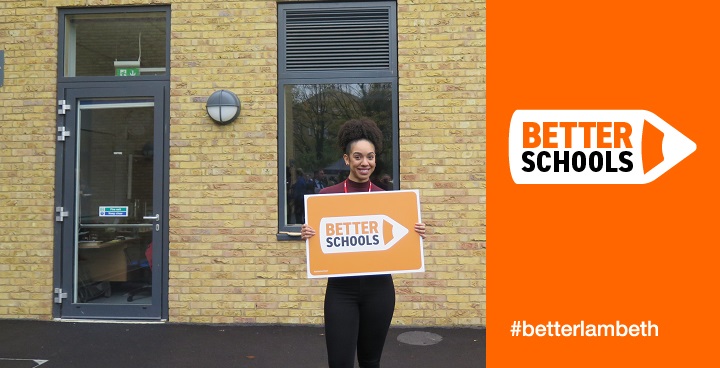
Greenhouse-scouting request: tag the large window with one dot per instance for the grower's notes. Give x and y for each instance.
(338, 61)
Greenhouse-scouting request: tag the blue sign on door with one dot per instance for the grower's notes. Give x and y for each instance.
(113, 211)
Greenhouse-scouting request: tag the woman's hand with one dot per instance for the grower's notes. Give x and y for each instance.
(306, 232)
(419, 228)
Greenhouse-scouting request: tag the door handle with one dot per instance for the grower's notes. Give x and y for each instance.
(154, 218)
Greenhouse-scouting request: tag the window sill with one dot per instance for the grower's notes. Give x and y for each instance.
(288, 236)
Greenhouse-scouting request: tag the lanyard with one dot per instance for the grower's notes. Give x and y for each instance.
(345, 186)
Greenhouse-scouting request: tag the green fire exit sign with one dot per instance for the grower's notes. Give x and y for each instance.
(129, 68)
(127, 72)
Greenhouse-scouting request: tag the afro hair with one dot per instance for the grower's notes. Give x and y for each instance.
(356, 129)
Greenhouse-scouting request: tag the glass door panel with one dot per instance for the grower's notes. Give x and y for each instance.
(114, 201)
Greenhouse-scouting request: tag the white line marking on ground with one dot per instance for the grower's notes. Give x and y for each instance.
(39, 362)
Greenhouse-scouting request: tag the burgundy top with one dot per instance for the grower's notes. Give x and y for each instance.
(352, 187)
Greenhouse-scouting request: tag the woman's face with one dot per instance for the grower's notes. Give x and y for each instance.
(361, 160)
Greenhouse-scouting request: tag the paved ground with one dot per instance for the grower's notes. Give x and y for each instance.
(48, 344)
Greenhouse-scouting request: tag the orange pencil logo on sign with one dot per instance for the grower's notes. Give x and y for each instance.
(363, 233)
(593, 147)
(359, 233)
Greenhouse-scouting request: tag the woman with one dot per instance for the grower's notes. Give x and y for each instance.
(358, 309)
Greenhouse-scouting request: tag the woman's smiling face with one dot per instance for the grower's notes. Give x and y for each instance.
(361, 160)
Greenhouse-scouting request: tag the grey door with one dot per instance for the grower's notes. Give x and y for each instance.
(111, 214)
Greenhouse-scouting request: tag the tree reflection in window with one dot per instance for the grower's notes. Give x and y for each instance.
(314, 114)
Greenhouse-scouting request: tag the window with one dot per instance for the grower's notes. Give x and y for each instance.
(338, 61)
(122, 42)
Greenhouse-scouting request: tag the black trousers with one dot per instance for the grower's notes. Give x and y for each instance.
(358, 312)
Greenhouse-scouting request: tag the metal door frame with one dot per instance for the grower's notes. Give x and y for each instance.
(66, 150)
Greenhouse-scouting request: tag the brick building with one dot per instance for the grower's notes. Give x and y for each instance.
(108, 156)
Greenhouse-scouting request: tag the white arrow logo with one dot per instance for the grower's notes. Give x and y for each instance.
(593, 147)
(359, 233)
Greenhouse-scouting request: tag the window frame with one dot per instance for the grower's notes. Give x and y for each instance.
(285, 78)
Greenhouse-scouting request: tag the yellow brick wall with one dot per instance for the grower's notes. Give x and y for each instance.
(27, 158)
(226, 265)
(441, 58)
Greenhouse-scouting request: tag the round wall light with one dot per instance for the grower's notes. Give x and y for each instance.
(223, 106)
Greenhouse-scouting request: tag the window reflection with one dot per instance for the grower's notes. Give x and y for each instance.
(314, 114)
